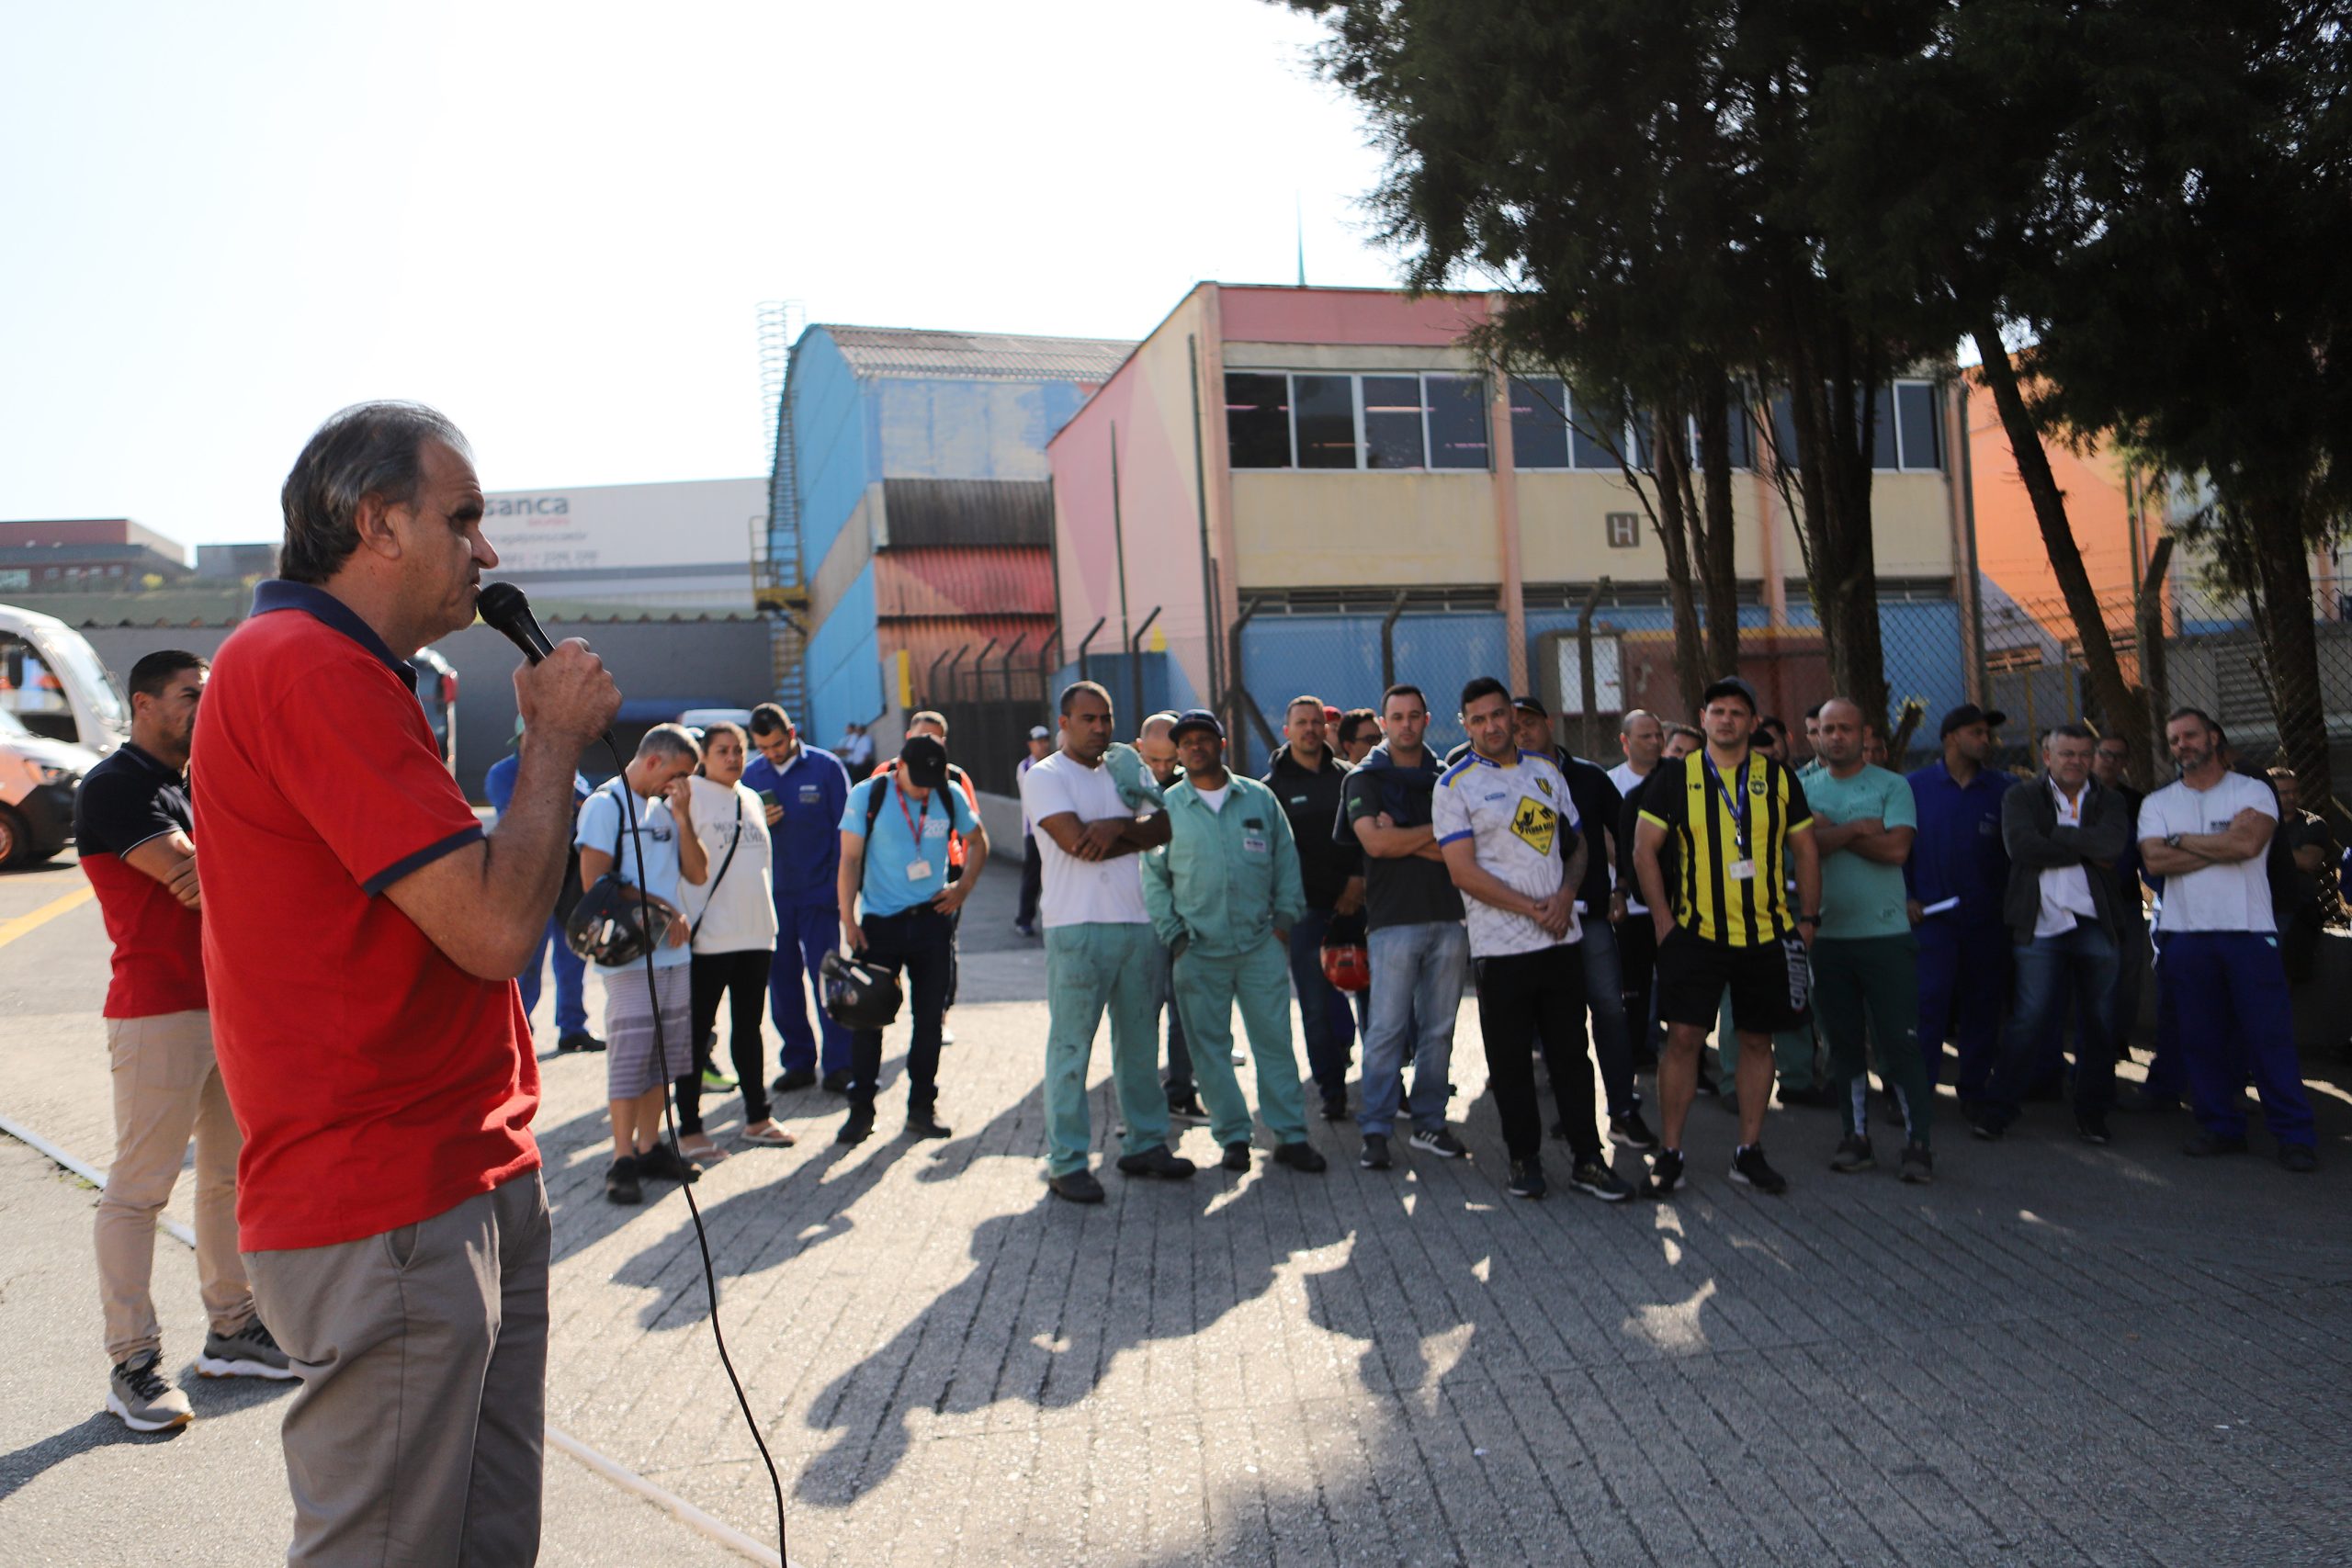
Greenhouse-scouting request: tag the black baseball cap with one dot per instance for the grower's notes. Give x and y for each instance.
(1531, 704)
(925, 762)
(1967, 713)
(1195, 718)
(1731, 686)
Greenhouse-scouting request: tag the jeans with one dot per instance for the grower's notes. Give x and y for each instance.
(919, 944)
(2230, 990)
(1089, 969)
(1208, 988)
(1417, 976)
(1637, 969)
(1329, 1031)
(1963, 969)
(739, 979)
(2081, 959)
(804, 936)
(571, 973)
(1613, 1037)
(2132, 960)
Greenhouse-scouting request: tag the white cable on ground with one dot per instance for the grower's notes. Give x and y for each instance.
(620, 1475)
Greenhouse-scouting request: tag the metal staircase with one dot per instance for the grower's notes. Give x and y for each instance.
(777, 583)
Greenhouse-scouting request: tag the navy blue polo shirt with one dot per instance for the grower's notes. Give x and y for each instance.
(1957, 853)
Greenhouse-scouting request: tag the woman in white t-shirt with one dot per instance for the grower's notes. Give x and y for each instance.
(733, 916)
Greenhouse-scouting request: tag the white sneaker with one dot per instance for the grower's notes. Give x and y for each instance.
(1240, 1057)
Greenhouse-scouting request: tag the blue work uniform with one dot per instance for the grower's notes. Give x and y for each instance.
(571, 969)
(1959, 873)
(805, 844)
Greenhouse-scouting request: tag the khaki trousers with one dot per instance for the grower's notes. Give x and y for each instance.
(418, 1435)
(166, 1088)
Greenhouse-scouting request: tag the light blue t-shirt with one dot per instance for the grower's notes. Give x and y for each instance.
(601, 828)
(1860, 898)
(891, 855)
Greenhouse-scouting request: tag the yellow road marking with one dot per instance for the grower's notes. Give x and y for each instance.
(11, 929)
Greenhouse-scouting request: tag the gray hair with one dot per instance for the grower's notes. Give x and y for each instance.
(670, 740)
(369, 449)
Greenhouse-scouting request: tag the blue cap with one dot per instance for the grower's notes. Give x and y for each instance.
(1197, 718)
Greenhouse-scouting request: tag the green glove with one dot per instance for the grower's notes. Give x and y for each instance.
(1138, 788)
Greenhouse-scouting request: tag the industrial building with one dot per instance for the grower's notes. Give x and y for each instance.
(912, 512)
(679, 549)
(1281, 484)
(80, 555)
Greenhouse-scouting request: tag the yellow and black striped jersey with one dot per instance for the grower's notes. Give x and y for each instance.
(1730, 875)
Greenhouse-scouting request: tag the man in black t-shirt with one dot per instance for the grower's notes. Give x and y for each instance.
(1599, 806)
(1421, 952)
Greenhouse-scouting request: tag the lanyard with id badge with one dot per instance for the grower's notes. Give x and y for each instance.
(1734, 806)
(918, 869)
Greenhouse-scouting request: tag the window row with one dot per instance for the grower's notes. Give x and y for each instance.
(1338, 421)
(1278, 421)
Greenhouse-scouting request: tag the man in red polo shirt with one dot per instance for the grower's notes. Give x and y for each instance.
(361, 937)
(132, 827)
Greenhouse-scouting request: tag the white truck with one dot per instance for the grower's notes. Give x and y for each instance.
(60, 712)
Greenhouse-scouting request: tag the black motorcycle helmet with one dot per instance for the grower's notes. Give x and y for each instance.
(859, 995)
(608, 925)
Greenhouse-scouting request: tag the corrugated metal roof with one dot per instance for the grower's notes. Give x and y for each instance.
(963, 582)
(935, 639)
(917, 353)
(967, 512)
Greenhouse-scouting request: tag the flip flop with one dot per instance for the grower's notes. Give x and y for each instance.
(710, 1155)
(769, 1137)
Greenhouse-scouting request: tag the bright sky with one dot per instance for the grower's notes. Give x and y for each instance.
(555, 222)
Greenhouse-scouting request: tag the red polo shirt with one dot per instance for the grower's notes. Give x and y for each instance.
(158, 959)
(376, 1082)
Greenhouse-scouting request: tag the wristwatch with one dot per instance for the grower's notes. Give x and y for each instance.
(2172, 840)
(1809, 920)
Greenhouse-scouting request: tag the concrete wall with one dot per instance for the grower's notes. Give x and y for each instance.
(672, 664)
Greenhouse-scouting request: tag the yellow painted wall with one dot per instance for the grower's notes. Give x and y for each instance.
(1314, 530)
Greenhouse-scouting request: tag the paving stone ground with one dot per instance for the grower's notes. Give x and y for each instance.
(2054, 1355)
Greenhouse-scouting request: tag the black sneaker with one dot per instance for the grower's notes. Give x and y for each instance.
(1918, 1165)
(1749, 1168)
(1853, 1153)
(2205, 1146)
(2300, 1158)
(249, 1352)
(924, 1124)
(664, 1163)
(1156, 1161)
(578, 1040)
(1816, 1098)
(1077, 1187)
(857, 1126)
(2091, 1126)
(1237, 1156)
(1526, 1179)
(1438, 1141)
(1665, 1174)
(1375, 1151)
(1986, 1129)
(1300, 1156)
(836, 1081)
(1186, 1107)
(1335, 1108)
(1631, 1132)
(1594, 1177)
(792, 1080)
(621, 1184)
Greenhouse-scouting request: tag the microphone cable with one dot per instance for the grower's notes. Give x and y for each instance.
(507, 609)
(627, 793)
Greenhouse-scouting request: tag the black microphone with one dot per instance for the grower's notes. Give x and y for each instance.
(508, 608)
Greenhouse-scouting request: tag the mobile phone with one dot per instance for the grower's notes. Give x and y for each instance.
(767, 797)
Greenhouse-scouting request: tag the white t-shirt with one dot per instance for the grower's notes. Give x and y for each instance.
(737, 911)
(1521, 822)
(1106, 892)
(1627, 782)
(2214, 897)
(1214, 798)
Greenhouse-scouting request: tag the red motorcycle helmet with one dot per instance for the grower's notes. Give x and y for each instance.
(1347, 965)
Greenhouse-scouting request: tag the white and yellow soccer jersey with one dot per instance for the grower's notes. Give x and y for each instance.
(1523, 827)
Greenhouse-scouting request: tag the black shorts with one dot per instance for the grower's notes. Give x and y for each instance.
(1770, 983)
